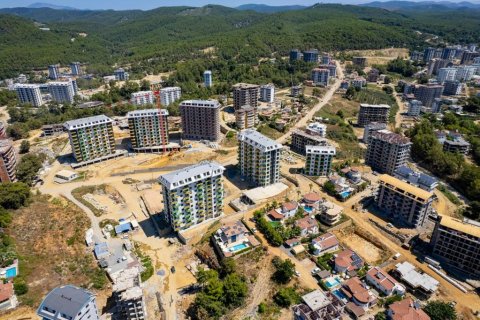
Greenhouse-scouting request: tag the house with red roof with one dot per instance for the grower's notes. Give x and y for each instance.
(286, 211)
(8, 299)
(325, 243)
(311, 201)
(383, 282)
(407, 309)
(358, 292)
(348, 262)
(307, 226)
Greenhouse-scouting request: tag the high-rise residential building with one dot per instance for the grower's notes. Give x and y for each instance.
(121, 74)
(465, 73)
(416, 178)
(359, 61)
(258, 158)
(169, 95)
(62, 91)
(456, 242)
(446, 74)
(245, 117)
(76, 68)
(317, 129)
(436, 64)
(148, 129)
(325, 59)
(414, 107)
(129, 304)
(416, 56)
(373, 113)
(200, 119)
(427, 93)
(404, 203)
(469, 56)
(193, 195)
(207, 78)
(142, 98)
(428, 54)
(68, 302)
(245, 94)
(91, 138)
(295, 55)
(319, 160)
(301, 139)
(452, 88)
(372, 127)
(267, 93)
(310, 55)
(448, 53)
(53, 71)
(29, 93)
(387, 151)
(320, 76)
(8, 162)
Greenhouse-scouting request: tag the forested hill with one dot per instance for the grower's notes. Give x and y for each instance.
(167, 35)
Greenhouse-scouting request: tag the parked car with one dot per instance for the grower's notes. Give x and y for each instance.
(172, 269)
(297, 273)
(315, 270)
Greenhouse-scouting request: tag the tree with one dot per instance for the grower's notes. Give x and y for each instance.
(473, 211)
(285, 297)
(20, 286)
(14, 195)
(440, 310)
(235, 290)
(285, 269)
(381, 316)
(329, 188)
(17, 131)
(28, 168)
(228, 266)
(350, 93)
(388, 90)
(24, 146)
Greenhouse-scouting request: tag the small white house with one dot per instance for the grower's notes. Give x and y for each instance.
(65, 176)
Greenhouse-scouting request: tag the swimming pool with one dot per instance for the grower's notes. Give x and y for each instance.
(308, 209)
(10, 273)
(340, 295)
(332, 282)
(345, 194)
(237, 247)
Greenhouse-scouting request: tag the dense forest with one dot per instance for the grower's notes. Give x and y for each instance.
(156, 40)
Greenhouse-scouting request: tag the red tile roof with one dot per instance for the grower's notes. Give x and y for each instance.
(312, 197)
(6, 291)
(289, 206)
(275, 215)
(306, 223)
(357, 290)
(382, 278)
(327, 241)
(406, 310)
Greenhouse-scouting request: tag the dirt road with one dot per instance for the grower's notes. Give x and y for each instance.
(323, 101)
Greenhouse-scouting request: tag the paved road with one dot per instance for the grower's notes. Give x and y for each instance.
(323, 101)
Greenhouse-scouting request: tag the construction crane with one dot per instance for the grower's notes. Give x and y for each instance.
(163, 133)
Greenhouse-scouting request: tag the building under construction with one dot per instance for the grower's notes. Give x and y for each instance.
(8, 162)
(246, 94)
(200, 119)
(245, 117)
(148, 130)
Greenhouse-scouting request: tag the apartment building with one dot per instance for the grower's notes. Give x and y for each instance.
(62, 91)
(301, 139)
(465, 73)
(169, 95)
(245, 94)
(130, 304)
(148, 129)
(310, 55)
(320, 76)
(200, 119)
(29, 93)
(416, 178)
(372, 113)
(8, 162)
(68, 302)
(142, 98)
(258, 158)
(405, 204)
(319, 160)
(428, 54)
(414, 108)
(387, 151)
(317, 129)
(91, 138)
(446, 74)
(76, 68)
(457, 243)
(469, 56)
(295, 55)
(3, 130)
(53, 71)
(332, 68)
(193, 195)
(452, 88)
(436, 64)
(295, 91)
(453, 142)
(428, 93)
(267, 93)
(245, 117)
(121, 74)
(207, 79)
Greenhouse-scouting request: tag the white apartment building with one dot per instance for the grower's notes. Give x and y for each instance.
(267, 93)
(465, 73)
(446, 74)
(29, 93)
(317, 129)
(320, 76)
(319, 160)
(142, 98)
(53, 71)
(169, 95)
(207, 78)
(193, 195)
(62, 91)
(414, 107)
(121, 74)
(76, 68)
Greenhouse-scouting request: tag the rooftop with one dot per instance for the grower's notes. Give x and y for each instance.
(320, 150)
(416, 279)
(245, 86)
(415, 176)
(67, 300)
(201, 103)
(147, 113)
(465, 226)
(257, 139)
(379, 106)
(233, 228)
(407, 309)
(191, 174)
(404, 186)
(316, 300)
(310, 136)
(390, 137)
(87, 122)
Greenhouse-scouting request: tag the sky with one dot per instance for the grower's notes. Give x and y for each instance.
(150, 4)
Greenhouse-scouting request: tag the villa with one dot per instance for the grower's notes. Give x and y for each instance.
(325, 243)
(358, 292)
(311, 201)
(407, 309)
(348, 262)
(307, 226)
(383, 282)
(342, 188)
(330, 213)
(232, 238)
(286, 211)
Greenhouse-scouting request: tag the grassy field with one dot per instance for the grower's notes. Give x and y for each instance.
(81, 191)
(270, 132)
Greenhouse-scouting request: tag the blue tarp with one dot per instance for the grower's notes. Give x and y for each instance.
(123, 227)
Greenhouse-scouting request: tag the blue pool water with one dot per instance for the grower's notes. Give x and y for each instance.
(237, 247)
(332, 282)
(10, 273)
(308, 209)
(340, 294)
(345, 194)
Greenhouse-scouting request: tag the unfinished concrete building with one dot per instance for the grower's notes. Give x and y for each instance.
(319, 160)
(8, 162)
(457, 243)
(405, 204)
(301, 139)
(128, 296)
(245, 117)
(245, 94)
(318, 305)
(148, 129)
(373, 113)
(372, 127)
(200, 119)
(258, 158)
(387, 151)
